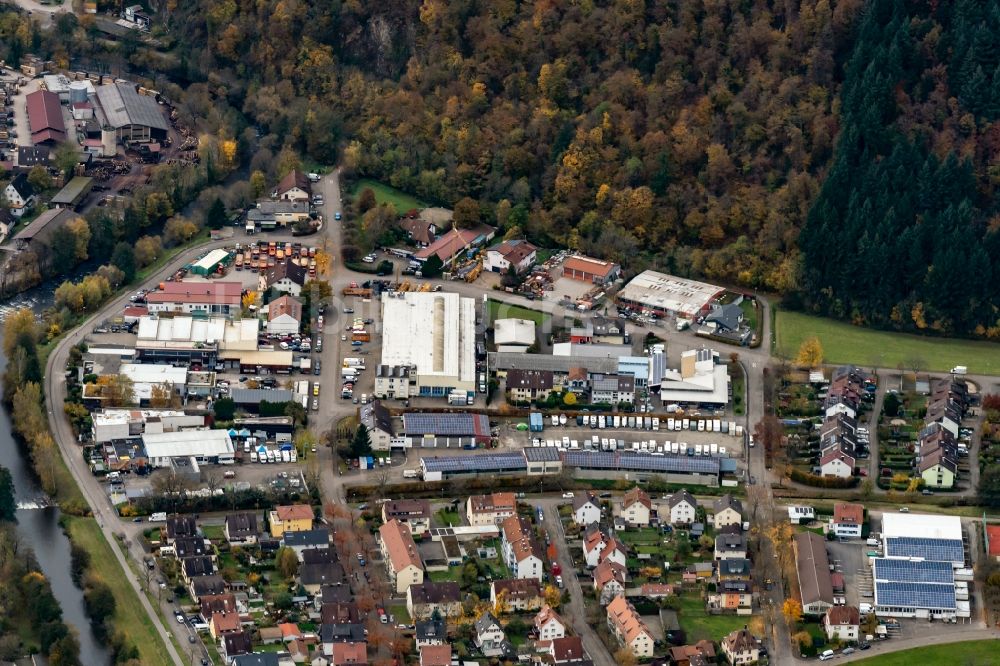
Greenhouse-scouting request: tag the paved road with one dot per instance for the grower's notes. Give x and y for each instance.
(575, 612)
(873, 449)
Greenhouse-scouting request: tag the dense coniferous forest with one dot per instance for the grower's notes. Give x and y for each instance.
(842, 152)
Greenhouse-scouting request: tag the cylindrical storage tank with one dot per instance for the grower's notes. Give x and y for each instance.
(77, 92)
(109, 142)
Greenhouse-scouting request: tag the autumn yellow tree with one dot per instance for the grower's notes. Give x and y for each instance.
(810, 353)
(322, 262)
(792, 610)
(552, 595)
(625, 657)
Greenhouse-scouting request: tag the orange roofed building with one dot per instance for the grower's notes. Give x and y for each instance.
(400, 554)
(290, 518)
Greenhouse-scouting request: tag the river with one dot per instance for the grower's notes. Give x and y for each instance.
(39, 528)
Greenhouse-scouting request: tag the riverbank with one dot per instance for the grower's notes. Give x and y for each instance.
(129, 618)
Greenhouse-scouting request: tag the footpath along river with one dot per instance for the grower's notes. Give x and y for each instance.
(39, 529)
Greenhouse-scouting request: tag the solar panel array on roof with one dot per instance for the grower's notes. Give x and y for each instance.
(915, 595)
(419, 423)
(541, 454)
(491, 462)
(946, 550)
(913, 571)
(700, 464)
(591, 459)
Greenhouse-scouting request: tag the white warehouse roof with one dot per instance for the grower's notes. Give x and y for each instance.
(923, 525)
(660, 291)
(435, 332)
(188, 443)
(148, 373)
(514, 332)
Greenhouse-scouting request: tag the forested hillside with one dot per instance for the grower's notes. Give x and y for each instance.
(904, 232)
(688, 134)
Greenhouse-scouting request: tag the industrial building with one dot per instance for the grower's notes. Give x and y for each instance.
(513, 335)
(121, 424)
(74, 193)
(134, 118)
(196, 340)
(434, 334)
(45, 118)
(203, 298)
(200, 446)
(701, 380)
(924, 536)
(210, 263)
(665, 295)
(813, 566)
(42, 227)
(915, 588)
(459, 430)
(145, 376)
(586, 269)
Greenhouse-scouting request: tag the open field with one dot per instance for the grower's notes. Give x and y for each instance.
(388, 194)
(698, 623)
(501, 310)
(843, 343)
(969, 652)
(130, 617)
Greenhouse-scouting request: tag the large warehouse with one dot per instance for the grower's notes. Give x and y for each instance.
(663, 295)
(202, 446)
(435, 335)
(134, 117)
(424, 429)
(923, 536)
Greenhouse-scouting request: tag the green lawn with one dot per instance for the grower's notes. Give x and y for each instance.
(500, 310)
(453, 574)
(399, 612)
(130, 616)
(214, 532)
(646, 535)
(698, 624)
(449, 518)
(749, 313)
(969, 652)
(388, 194)
(843, 343)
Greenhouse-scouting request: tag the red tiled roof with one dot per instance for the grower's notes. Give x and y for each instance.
(217, 293)
(851, 514)
(993, 536)
(587, 265)
(44, 112)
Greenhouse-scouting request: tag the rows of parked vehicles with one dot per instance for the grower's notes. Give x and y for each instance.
(602, 421)
(597, 443)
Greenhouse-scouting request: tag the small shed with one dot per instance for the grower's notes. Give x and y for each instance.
(211, 262)
(73, 194)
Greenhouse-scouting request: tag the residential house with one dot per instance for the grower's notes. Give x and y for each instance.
(730, 545)
(415, 514)
(577, 381)
(284, 277)
(727, 318)
(842, 623)
(402, 560)
(594, 541)
(614, 550)
(490, 509)
(701, 653)
(349, 654)
(517, 594)
(375, 416)
(727, 510)
(290, 518)
(741, 647)
(211, 604)
(733, 568)
(732, 595)
(682, 507)
(340, 612)
(521, 551)
(938, 470)
(320, 555)
(223, 623)
(548, 624)
(234, 644)
(331, 634)
(192, 567)
(656, 590)
(307, 540)
(567, 650)
(517, 253)
(435, 655)
(423, 599)
(284, 315)
(200, 586)
(848, 519)
(629, 629)
(698, 571)
(813, 566)
(528, 385)
(293, 187)
(489, 636)
(636, 507)
(430, 632)
(313, 576)
(241, 529)
(609, 580)
(586, 509)
(837, 462)
(179, 527)
(612, 389)
(269, 635)
(392, 381)
(184, 547)
(20, 195)
(421, 232)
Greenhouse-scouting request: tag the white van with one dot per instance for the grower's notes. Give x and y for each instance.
(826, 655)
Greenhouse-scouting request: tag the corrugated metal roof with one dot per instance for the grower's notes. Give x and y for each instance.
(124, 106)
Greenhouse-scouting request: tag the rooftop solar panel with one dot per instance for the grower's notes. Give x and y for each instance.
(482, 463)
(913, 571)
(541, 454)
(947, 550)
(468, 425)
(915, 595)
